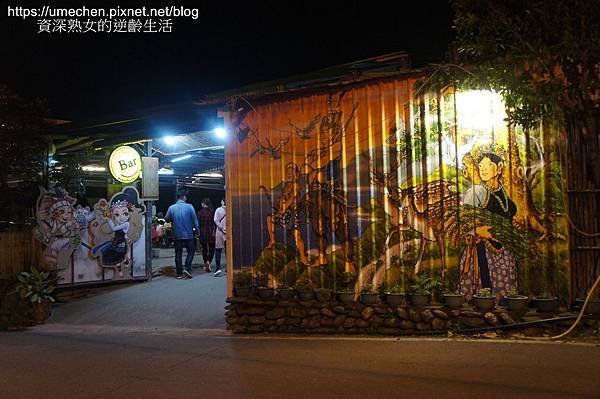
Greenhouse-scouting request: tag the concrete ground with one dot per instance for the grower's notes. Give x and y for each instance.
(193, 364)
(165, 302)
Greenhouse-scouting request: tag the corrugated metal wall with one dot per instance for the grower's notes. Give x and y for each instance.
(373, 181)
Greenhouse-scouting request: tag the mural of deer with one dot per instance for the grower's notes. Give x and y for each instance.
(421, 209)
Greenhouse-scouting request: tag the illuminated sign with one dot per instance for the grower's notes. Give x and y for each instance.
(125, 164)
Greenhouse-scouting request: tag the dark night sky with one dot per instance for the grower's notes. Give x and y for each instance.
(88, 76)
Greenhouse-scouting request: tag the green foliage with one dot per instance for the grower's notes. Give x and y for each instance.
(521, 52)
(23, 150)
(513, 293)
(36, 286)
(242, 279)
(304, 284)
(394, 288)
(348, 280)
(424, 284)
(262, 279)
(485, 293)
(368, 288)
(67, 172)
(545, 295)
(14, 310)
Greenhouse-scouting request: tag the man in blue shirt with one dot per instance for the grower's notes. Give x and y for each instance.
(184, 220)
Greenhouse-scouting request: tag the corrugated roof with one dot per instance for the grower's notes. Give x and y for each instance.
(380, 67)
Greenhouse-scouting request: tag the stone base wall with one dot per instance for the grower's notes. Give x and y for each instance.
(256, 315)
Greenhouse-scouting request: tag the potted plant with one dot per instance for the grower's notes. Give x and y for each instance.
(546, 302)
(241, 283)
(37, 287)
(347, 294)
(368, 295)
(453, 299)
(305, 289)
(515, 301)
(593, 305)
(394, 294)
(323, 294)
(262, 284)
(285, 292)
(483, 300)
(421, 289)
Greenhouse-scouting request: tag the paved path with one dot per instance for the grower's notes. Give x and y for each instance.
(40, 364)
(163, 303)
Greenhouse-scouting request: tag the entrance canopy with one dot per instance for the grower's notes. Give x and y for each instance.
(183, 138)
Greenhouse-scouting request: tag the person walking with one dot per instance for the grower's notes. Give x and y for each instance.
(220, 236)
(183, 217)
(207, 232)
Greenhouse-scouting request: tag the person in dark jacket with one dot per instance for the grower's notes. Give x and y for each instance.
(183, 217)
(207, 232)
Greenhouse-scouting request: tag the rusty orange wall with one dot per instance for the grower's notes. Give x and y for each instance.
(364, 154)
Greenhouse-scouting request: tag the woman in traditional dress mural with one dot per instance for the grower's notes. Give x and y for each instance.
(486, 262)
(123, 219)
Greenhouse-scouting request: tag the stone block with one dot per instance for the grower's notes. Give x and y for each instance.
(276, 313)
(367, 313)
(328, 312)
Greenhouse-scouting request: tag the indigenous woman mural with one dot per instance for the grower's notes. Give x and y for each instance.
(121, 221)
(485, 262)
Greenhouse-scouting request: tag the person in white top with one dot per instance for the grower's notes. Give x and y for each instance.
(220, 235)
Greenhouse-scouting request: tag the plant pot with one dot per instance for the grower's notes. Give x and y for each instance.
(369, 298)
(419, 300)
(395, 299)
(265, 292)
(484, 303)
(242, 291)
(285, 293)
(593, 306)
(346, 296)
(305, 295)
(454, 301)
(323, 294)
(517, 303)
(546, 305)
(40, 311)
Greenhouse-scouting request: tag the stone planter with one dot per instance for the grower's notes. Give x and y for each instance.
(241, 291)
(305, 295)
(346, 296)
(454, 301)
(593, 306)
(40, 311)
(517, 303)
(323, 294)
(419, 300)
(546, 305)
(369, 298)
(266, 292)
(285, 293)
(395, 299)
(484, 303)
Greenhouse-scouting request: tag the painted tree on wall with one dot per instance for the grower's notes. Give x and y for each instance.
(544, 58)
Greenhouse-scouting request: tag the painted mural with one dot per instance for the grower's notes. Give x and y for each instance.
(379, 185)
(91, 245)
